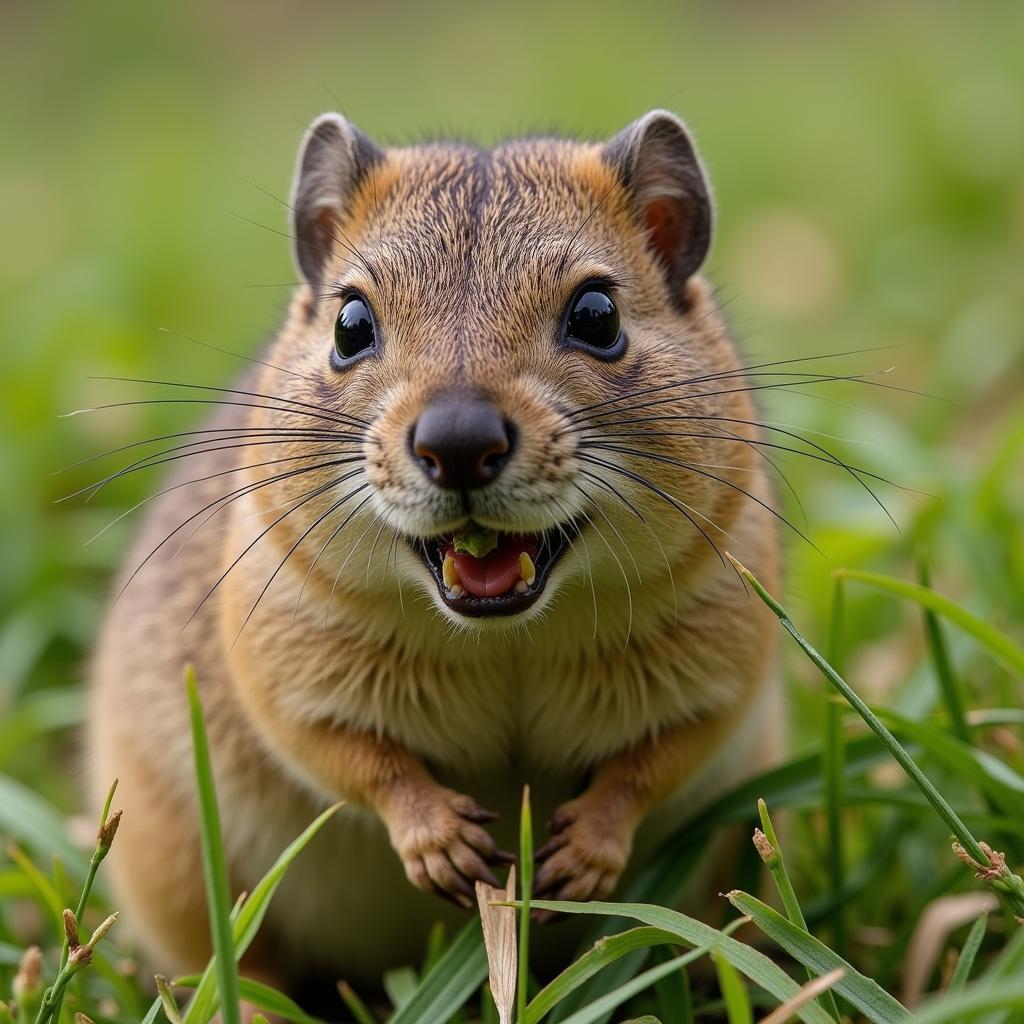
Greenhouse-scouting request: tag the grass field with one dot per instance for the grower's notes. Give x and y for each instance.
(868, 162)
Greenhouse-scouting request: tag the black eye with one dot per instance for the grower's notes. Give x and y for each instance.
(354, 331)
(593, 323)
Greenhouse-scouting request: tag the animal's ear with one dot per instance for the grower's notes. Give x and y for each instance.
(334, 159)
(658, 163)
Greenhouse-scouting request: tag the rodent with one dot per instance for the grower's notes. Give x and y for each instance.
(511, 346)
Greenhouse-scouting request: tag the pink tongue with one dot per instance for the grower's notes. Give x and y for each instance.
(497, 572)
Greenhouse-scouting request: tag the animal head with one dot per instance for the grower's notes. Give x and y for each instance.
(506, 362)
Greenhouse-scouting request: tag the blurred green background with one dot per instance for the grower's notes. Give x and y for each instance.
(867, 160)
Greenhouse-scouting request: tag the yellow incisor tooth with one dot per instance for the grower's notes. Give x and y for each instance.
(449, 572)
(527, 570)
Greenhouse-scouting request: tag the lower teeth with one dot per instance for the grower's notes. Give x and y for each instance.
(449, 572)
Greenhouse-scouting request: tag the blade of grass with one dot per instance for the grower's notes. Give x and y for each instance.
(866, 995)
(105, 834)
(248, 917)
(734, 992)
(153, 1012)
(810, 991)
(525, 892)
(38, 714)
(664, 877)
(215, 872)
(606, 1004)
(605, 951)
(277, 1003)
(167, 1000)
(488, 1009)
(434, 948)
(948, 683)
(399, 985)
(691, 932)
(1001, 878)
(965, 961)
(968, 1004)
(254, 909)
(1010, 960)
(27, 817)
(994, 778)
(770, 848)
(359, 1010)
(453, 979)
(40, 883)
(997, 643)
(833, 772)
(675, 1001)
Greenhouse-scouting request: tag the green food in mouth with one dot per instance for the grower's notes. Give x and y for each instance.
(476, 541)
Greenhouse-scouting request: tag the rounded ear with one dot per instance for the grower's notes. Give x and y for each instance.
(334, 158)
(661, 171)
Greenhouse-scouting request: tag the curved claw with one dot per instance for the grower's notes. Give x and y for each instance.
(469, 809)
(554, 844)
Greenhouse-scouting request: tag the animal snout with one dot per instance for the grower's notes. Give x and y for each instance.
(461, 440)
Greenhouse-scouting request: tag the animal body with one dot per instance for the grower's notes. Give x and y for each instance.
(460, 530)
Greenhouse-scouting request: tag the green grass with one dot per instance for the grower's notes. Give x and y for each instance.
(866, 161)
(581, 993)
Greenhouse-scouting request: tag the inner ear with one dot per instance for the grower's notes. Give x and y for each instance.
(334, 160)
(319, 235)
(660, 170)
(667, 228)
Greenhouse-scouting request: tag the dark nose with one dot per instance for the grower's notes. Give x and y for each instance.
(461, 440)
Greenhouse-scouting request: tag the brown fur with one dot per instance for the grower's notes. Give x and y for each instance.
(367, 689)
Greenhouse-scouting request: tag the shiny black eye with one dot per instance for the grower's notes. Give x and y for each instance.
(593, 323)
(354, 332)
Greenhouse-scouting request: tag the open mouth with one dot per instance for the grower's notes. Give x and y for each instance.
(481, 572)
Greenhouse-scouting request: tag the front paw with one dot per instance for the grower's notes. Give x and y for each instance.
(438, 835)
(585, 856)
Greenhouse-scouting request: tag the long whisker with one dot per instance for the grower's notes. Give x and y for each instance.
(348, 557)
(346, 244)
(225, 434)
(618, 562)
(679, 506)
(727, 373)
(586, 550)
(235, 355)
(152, 461)
(856, 473)
(196, 401)
(373, 546)
(773, 386)
(728, 435)
(214, 476)
(584, 222)
(234, 496)
(231, 496)
(604, 515)
(398, 576)
(615, 492)
(329, 253)
(315, 493)
(765, 457)
(317, 557)
(825, 456)
(690, 467)
(331, 509)
(289, 405)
